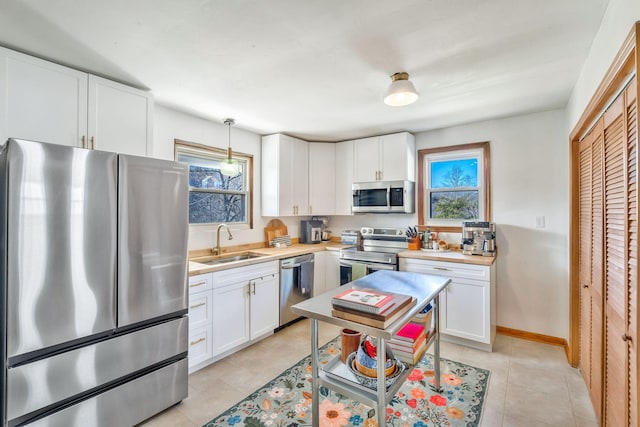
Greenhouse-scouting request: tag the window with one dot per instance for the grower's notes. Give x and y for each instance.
(215, 197)
(454, 183)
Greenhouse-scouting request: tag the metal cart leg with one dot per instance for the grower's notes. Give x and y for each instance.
(436, 343)
(315, 394)
(382, 390)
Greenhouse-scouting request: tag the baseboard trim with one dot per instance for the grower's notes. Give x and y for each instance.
(532, 336)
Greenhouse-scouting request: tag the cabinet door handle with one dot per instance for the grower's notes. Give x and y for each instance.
(380, 175)
(585, 286)
(84, 141)
(193, 285)
(198, 341)
(254, 287)
(441, 268)
(198, 305)
(92, 143)
(626, 337)
(310, 209)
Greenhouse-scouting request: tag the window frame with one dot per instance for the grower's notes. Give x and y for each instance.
(206, 151)
(483, 175)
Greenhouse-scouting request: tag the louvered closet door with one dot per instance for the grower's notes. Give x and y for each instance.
(621, 258)
(597, 265)
(584, 191)
(631, 110)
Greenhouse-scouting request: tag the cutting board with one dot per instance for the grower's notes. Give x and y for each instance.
(275, 228)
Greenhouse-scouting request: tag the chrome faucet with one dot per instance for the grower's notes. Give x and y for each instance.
(217, 249)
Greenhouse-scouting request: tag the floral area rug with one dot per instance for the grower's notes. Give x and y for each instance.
(286, 400)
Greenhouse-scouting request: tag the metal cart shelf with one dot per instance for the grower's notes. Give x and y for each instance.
(426, 288)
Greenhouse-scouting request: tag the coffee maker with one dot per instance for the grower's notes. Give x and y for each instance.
(310, 231)
(478, 238)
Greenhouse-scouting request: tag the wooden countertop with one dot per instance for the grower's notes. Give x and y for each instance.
(448, 256)
(266, 254)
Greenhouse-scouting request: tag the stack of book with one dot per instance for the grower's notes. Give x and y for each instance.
(371, 307)
(409, 343)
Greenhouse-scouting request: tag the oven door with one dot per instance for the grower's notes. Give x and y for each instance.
(346, 269)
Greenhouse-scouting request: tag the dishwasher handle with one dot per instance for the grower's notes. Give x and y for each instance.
(291, 266)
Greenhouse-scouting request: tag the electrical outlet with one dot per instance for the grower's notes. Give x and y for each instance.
(540, 221)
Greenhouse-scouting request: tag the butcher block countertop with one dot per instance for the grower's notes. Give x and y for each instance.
(265, 254)
(448, 256)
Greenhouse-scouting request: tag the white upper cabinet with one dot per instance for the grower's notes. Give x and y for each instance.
(366, 159)
(43, 101)
(285, 176)
(120, 118)
(322, 178)
(384, 158)
(344, 177)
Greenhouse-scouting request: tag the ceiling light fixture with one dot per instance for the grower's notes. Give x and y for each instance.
(401, 91)
(229, 166)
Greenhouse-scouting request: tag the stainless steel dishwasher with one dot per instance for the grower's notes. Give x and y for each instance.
(296, 284)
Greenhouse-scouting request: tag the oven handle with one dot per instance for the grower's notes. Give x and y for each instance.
(376, 266)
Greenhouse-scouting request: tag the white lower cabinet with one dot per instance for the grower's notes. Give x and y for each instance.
(319, 276)
(200, 315)
(245, 305)
(265, 299)
(326, 271)
(200, 346)
(229, 309)
(332, 270)
(231, 316)
(468, 305)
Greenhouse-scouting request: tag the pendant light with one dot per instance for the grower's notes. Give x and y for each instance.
(229, 166)
(401, 91)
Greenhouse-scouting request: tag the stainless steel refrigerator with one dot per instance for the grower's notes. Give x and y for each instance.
(93, 269)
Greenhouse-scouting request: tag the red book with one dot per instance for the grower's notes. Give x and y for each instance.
(409, 332)
(407, 347)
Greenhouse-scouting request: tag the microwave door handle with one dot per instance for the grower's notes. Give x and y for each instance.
(388, 196)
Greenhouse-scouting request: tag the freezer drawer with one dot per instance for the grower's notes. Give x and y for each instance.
(152, 238)
(128, 404)
(42, 383)
(61, 245)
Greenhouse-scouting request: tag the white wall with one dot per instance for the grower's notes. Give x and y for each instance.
(618, 20)
(170, 124)
(530, 177)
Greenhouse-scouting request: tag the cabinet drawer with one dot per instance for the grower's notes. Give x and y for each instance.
(449, 269)
(200, 345)
(200, 308)
(247, 273)
(201, 282)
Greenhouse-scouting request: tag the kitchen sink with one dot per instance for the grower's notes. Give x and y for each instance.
(233, 258)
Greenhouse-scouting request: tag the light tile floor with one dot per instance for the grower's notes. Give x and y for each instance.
(531, 384)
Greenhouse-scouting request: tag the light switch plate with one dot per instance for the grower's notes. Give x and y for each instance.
(540, 221)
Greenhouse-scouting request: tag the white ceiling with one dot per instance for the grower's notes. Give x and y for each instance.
(317, 69)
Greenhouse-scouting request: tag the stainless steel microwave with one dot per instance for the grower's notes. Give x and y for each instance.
(383, 197)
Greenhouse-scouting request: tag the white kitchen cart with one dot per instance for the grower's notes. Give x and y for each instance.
(426, 288)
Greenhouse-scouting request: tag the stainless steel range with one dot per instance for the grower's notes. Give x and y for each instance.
(378, 251)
